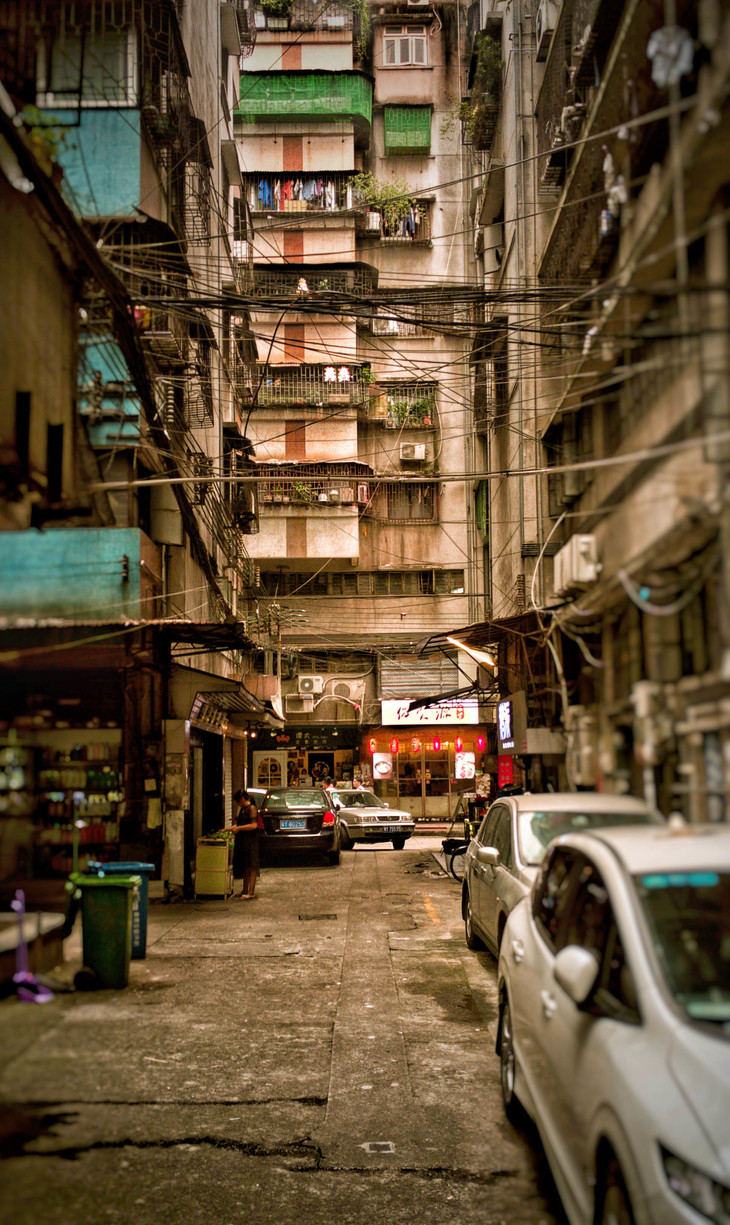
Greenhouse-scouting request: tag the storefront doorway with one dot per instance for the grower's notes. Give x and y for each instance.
(428, 774)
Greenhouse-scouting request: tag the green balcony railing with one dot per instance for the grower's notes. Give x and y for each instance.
(279, 96)
(407, 130)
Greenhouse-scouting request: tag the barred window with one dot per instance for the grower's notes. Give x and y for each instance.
(413, 501)
(365, 583)
(101, 70)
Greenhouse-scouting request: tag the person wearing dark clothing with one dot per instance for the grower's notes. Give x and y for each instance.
(246, 846)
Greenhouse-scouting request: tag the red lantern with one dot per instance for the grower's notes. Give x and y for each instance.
(436, 745)
(415, 745)
(458, 744)
(481, 743)
(372, 745)
(394, 745)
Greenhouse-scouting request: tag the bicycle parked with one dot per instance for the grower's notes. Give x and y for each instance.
(455, 848)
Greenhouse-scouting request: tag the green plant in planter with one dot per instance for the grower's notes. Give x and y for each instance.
(276, 8)
(391, 199)
(302, 492)
(477, 111)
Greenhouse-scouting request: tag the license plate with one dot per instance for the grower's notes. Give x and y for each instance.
(390, 829)
(293, 823)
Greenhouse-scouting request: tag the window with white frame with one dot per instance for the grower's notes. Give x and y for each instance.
(99, 69)
(404, 46)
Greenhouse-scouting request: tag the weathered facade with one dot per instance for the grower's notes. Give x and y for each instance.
(353, 173)
(125, 641)
(604, 200)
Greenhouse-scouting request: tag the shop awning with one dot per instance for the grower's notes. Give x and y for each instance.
(483, 634)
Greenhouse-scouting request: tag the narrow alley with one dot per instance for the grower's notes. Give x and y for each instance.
(326, 1053)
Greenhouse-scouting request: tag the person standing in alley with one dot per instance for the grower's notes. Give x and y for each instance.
(246, 846)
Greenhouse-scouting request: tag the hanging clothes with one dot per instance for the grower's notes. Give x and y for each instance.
(265, 193)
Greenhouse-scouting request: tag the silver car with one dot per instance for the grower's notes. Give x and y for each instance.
(614, 1022)
(365, 818)
(503, 858)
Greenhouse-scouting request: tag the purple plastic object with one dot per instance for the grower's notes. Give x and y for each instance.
(27, 986)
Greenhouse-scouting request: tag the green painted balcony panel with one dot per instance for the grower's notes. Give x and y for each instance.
(407, 130)
(313, 96)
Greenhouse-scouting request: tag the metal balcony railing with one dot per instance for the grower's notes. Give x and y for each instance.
(325, 192)
(312, 386)
(306, 282)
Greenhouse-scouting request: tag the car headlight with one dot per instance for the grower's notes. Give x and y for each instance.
(699, 1190)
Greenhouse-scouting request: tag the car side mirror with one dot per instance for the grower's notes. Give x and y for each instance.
(488, 855)
(576, 971)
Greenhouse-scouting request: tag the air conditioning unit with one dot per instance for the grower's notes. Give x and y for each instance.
(373, 222)
(363, 495)
(298, 704)
(413, 452)
(311, 684)
(545, 19)
(576, 565)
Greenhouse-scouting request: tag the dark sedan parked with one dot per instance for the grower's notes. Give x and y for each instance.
(300, 819)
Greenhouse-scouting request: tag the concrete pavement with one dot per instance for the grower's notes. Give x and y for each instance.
(323, 1052)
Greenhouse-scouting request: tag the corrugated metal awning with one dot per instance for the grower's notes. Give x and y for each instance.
(408, 676)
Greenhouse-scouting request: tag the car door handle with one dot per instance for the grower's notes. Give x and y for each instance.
(518, 951)
(549, 1004)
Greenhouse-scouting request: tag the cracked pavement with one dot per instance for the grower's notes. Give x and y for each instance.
(326, 1052)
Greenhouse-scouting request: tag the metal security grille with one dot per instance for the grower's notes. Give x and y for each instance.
(407, 129)
(408, 676)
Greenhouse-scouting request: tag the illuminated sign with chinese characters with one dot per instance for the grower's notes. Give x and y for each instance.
(512, 723)
(396, 713)
(504, 718)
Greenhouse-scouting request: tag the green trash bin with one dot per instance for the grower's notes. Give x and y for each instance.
(106, 921)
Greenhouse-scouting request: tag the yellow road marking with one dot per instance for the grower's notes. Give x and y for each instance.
(431, 910)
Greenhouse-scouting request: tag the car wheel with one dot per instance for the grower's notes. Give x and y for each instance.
(399, 843)
(508, 1064)
(615, 1202)
(347, 843)
(333, 857)
(472, 939)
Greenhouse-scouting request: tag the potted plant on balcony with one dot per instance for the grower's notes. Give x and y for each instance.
(479, 112)
(277, 13)
(390, 199)
(302, 492)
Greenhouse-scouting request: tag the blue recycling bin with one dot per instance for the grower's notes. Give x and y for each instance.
(140, 899)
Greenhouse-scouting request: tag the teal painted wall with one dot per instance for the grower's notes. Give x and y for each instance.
(101, 162)
(70, 572)
(111, 410)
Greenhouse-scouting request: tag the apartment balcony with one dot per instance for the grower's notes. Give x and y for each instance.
(305, 283)
(585, 236)
(402, 406)
(307, 386)
(308, 97)
(238, 26)
(306, 16)
(304, 192)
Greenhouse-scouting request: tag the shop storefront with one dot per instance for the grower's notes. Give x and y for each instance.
(299, 757)
(424, 759)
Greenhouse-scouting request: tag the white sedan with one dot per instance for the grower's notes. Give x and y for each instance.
(365, 818)
(614, 1022)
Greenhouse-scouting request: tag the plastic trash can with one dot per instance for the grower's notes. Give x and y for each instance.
(140, 900)
(106, 920)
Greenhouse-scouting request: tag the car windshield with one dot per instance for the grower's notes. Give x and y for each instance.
(301, 798)
(689, 920)
(359, 799)
(536, 829)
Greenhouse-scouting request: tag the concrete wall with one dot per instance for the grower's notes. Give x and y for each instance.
(75, 572)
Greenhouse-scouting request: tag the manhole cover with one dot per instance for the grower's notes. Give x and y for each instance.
(307, 918)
